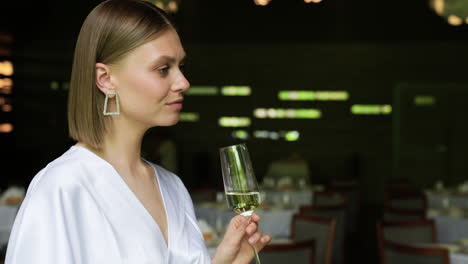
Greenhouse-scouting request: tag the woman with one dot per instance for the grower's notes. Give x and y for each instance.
(100, 202)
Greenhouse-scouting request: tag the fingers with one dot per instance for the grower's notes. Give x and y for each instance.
(262, 242)
(251, 228)
(255, 217)
(255, 237)
(236, 229)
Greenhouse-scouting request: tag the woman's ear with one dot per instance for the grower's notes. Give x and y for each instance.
(103, 78)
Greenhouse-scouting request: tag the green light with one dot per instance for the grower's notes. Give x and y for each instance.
(240, 134)
(236, 90)
(202, 91)
(231, 121)
(292, 136)
(281, 113)
(288, 95)
(424, 100)
(359, 109)
(189, 117)
(54, 85)
(261, 134)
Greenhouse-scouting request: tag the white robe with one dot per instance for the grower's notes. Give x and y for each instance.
(79, 210)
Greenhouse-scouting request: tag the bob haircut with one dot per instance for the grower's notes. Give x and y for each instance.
(111, 30)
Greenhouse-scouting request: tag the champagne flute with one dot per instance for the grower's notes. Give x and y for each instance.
(240, 185)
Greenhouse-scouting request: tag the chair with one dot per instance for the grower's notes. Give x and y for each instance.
(334, 212)
(409, 232)
(295, 252)
(396, 253)
(395, 214)
(321, 229)
(398, 200)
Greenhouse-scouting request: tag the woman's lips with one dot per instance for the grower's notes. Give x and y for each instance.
(176, 104)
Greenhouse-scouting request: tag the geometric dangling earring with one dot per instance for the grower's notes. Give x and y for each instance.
(111, 95)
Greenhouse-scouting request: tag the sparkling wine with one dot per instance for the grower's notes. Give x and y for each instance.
(242, 202)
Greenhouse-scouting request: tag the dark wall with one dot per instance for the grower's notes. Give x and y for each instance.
(365, 48)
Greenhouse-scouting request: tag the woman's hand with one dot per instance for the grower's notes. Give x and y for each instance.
(236, 245)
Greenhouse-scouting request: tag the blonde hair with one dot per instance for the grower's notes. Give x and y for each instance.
(111, 30)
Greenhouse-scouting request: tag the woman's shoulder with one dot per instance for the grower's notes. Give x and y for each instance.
(65, 171)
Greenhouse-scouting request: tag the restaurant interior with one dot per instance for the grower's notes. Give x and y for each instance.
(352, 112)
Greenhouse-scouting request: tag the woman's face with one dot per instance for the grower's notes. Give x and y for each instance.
(150, 82)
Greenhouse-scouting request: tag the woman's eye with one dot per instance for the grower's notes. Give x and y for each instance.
(164, 70)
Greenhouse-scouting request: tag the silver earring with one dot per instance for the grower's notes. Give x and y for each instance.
(110, 95)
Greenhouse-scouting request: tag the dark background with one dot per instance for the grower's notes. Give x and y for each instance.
(381, 52)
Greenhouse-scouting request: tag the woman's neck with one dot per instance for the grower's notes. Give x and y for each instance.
(121, 147)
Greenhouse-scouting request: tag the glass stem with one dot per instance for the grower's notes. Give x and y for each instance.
(248, 214)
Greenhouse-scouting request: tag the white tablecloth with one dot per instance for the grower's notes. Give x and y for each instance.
(458, 258)
(296, 198)
(7, 218)
(451, 229)
(441, 200)
(275, 222)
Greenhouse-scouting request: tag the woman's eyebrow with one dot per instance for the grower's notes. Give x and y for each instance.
(167, 59)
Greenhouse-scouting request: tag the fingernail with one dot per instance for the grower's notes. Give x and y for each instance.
(252, 240)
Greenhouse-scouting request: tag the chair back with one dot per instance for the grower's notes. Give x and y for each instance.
(397, 215)
(320, 229)
(413, 201)
(396, 253)
(338, 213)
(295, 252)
(409, 232)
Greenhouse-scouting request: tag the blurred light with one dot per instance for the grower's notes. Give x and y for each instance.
(6, 85)
(313, 1)
(371, 109)
(189, 117)
(167, 5)
(313, 95)
(6, 128)
(172, 6)
(262, 2)
(54, 85)
(287, 113)
(422, 100)
(7, 108)
(159, 4)
(438, 6)
(6, 68)
(202, 90)
(292, 136)
(236, 90)
(260, 113)
(454, 20)
(240, 134)
(261, 134)
(231, 121)
(5, 82)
